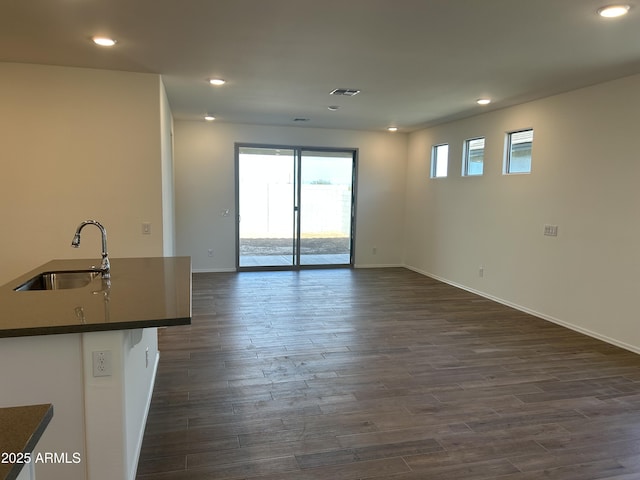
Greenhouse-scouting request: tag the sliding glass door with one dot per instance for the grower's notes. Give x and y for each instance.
(326, 200)
(296, 207)
(266, 226)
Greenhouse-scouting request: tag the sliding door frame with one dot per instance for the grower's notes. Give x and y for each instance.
(297, 191)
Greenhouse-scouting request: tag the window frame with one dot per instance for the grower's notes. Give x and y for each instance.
(508, 151)
(434, 161)
(465, 156)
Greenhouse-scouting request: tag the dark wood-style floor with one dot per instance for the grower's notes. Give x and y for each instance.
(383, 374)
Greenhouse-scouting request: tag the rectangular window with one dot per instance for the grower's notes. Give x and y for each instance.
(518, 151)
(439, 160)
(473, 157)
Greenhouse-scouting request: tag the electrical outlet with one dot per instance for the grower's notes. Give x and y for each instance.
(146, 228)
(102, 364)
(551, 230)
(210, 252)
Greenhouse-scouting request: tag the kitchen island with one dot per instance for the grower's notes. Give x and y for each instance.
(92, 353)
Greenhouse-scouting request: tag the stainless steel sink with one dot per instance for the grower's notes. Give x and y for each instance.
(59, 280)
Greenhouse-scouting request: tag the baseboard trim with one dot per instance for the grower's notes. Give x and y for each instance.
(368, 265)
(378, 265)
(543, 316)
(212, 270)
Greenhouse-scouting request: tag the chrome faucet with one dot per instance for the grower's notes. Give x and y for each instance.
(106, 266)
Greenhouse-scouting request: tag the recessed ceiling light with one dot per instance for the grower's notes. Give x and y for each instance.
(392, 129)
(483, 101)
(333, 108)
(613, 11)
(104, 41)
(217, 81)
(209, 118)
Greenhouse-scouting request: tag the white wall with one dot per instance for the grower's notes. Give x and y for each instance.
(205, 187)
(75, 144)
(584, 179)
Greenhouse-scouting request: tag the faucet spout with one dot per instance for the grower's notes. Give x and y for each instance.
(105, 267)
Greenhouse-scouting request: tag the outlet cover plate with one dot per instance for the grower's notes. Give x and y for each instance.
(102, 364)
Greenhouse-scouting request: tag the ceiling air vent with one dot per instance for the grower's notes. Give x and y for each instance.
(349, 92)
(301, 119)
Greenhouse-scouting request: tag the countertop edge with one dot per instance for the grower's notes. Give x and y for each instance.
(94, 327)
(33, 440)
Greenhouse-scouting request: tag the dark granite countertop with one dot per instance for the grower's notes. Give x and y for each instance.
(141, 293)
(20, 431)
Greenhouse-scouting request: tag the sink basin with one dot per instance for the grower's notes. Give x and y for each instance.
(59, 280)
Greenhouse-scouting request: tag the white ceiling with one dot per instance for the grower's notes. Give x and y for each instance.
(416, 62)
